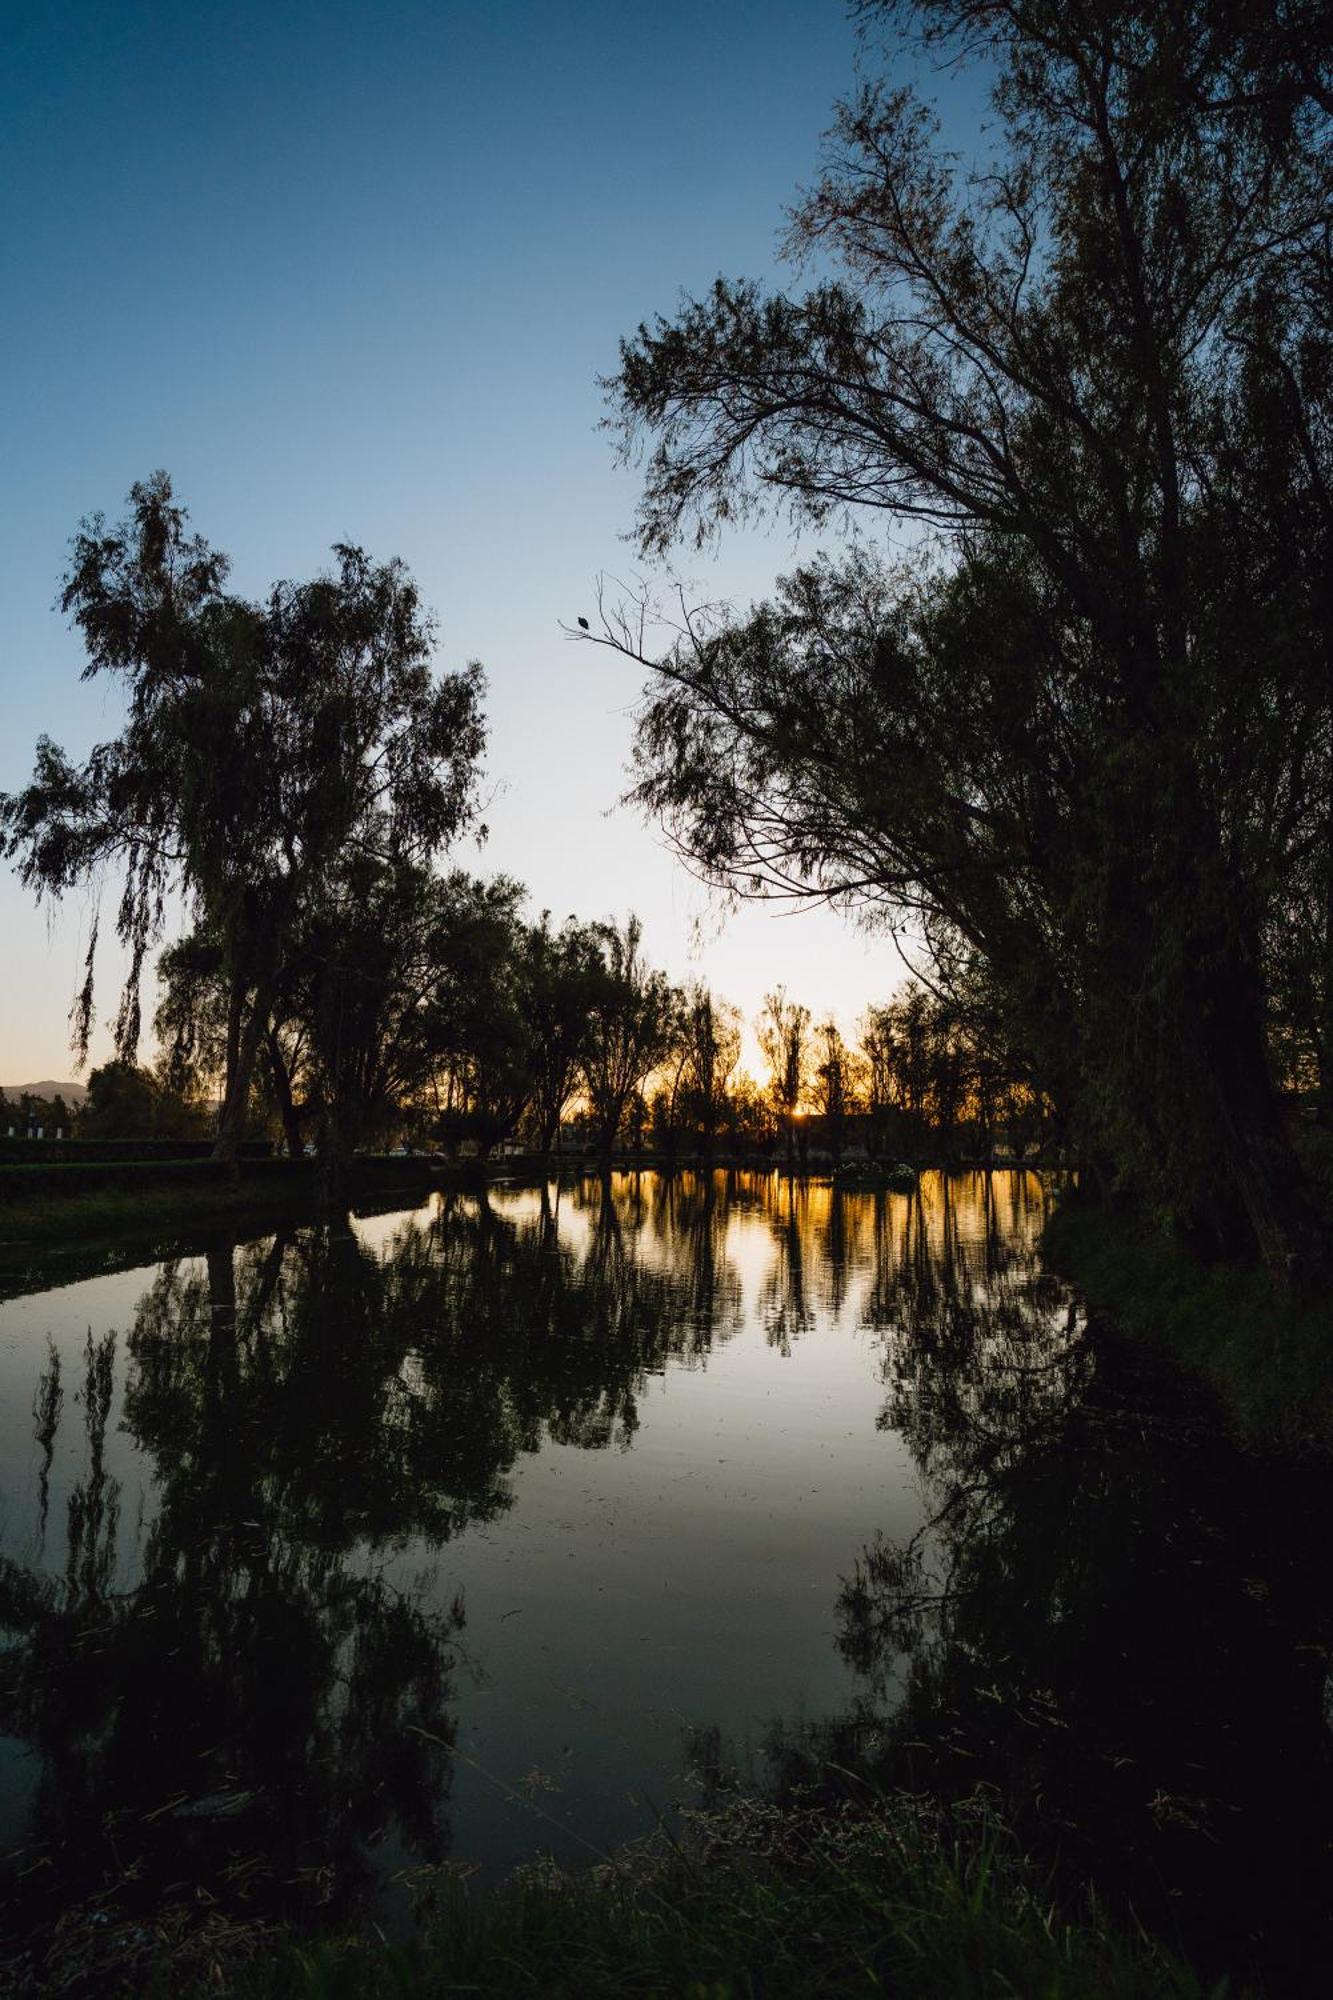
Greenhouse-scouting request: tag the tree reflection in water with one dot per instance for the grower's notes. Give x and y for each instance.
(264, 1720)
(1110, 1616)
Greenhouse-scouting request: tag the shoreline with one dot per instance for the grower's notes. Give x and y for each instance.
(1264, 1358)
(90, 1214)
(896, 1896)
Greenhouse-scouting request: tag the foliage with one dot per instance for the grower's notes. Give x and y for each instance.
(263, 745)
(631, 1026)
(125, 1101)
(400, 984)
(558, 975)
(710, 1030)
(783, 1030)
(895, 1899)
(1267, 1359)
(835, 1084)
(1082, 739)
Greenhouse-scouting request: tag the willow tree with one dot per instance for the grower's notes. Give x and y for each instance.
(631, 1025)
(834, 1080)
(558, 974)
(400, 983)
(1083, 739)
(261, 742)
(783, 1033)
(710, 1044)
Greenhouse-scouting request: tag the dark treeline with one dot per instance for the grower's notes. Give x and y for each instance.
(296, 774)
(1080, 740)
(1076, 746)
(551, 1044)
(293, 772)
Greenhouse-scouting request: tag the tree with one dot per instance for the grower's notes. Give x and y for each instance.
(558, 974)
(480, 1036)
(121, 1103)
(834, 1084)
(402, 991)
(191, 1021)
(710, 1040)
(1085, 737)
(630, 1027)
(748, 1118)
(877, 1058)
(782, 1029)
(125, 1101)
(261, 742)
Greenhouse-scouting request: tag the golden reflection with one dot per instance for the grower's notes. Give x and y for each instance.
(786, 1251)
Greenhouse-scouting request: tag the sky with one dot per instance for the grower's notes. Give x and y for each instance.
(351, 272)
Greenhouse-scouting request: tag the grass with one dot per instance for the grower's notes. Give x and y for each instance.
(1267, 1355)
(80, 1214)
(768, 1901)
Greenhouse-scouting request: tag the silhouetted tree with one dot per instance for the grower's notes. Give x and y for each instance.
(483, 1075)
(783, 1030)
(558, 973)
(877, 1057)
(1087, 739)
(710, 1041)
(125, 1101)
(403, 987)
(630, 1027)
(191, 1026)
(834, 1081)
(261, 742)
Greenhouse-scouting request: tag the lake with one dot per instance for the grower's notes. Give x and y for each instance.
(512, 1525)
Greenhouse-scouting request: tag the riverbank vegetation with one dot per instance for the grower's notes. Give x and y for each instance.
(58, 1220)
(1073, 748)
(496, 1032)
(1076, 741)
(266, 1712)
(1264, 1352)
(895, 1898)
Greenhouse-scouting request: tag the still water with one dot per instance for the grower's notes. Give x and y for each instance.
(508, 1525)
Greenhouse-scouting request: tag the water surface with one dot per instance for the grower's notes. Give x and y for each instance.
(506, 1525)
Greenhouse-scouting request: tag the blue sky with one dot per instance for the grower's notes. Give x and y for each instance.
(352, 272)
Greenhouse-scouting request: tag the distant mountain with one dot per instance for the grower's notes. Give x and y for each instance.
(73, 1093)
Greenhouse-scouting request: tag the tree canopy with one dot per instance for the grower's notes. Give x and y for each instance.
(1080, 738)
(263, 744)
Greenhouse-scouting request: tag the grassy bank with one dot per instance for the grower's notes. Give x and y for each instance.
(766, 1901)
(58, 1215)
(1266, 1356)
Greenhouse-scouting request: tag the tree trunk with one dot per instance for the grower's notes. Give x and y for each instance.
(1324, 1036)
(231, 1057)
(333, 1167)
(282, 1090)
(236, 1103)
(1257, 1156)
